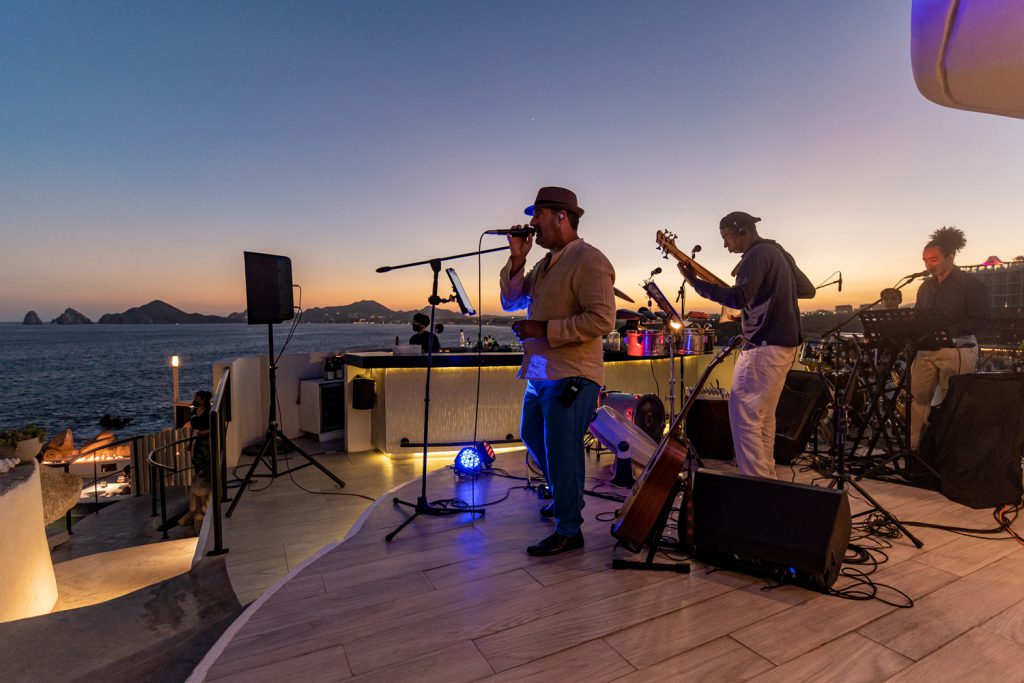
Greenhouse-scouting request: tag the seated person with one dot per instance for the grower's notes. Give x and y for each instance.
(891, 299)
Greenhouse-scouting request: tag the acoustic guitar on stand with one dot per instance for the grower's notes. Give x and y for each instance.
(667, 244)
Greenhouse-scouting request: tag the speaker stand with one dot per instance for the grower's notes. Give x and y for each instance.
(268, 449)
(841, 478)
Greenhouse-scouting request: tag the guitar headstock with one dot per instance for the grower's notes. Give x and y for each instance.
(666, 242)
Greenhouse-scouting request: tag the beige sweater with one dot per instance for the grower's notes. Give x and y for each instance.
(576, 298)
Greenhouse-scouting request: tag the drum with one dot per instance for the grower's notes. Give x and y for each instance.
(817, 353)
(620, 435)
(646, 411)
(692, 341)
(645, 343)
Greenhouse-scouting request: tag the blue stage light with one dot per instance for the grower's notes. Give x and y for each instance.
(474, 459)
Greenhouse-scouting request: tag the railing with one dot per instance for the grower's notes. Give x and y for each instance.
(159, 471)
(220, 415)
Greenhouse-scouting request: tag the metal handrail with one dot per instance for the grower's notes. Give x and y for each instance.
(220, 415)
(154, 465)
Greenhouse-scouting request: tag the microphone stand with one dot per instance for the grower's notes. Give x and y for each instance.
(422, 506)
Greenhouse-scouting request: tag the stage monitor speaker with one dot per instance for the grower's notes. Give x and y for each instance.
(975, 440)
(791, 531)
(268, 288)
(803, 399)
(707, 427)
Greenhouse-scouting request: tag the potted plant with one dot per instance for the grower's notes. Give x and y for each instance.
(23, 443)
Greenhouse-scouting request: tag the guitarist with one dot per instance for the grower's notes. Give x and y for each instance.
(768, 284)
(570, 305)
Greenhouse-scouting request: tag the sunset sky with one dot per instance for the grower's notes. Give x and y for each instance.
(145, 145)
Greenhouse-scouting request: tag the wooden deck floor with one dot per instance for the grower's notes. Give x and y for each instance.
(458, 599)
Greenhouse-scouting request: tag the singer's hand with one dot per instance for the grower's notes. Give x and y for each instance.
(530, 329)
(520, 247)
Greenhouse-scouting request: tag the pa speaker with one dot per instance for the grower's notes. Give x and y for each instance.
(268, 288)
(707, 427)
(796, 532)
(803, 399)
(975, 440)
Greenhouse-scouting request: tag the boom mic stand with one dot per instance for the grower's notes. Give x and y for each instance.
(272, 436)
(422, 506)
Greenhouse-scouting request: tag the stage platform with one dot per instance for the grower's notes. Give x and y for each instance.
(457, 599)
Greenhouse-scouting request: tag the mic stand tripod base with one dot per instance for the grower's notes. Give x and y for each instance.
(423, 507)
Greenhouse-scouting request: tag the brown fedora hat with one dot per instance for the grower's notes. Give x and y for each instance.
(555, 198)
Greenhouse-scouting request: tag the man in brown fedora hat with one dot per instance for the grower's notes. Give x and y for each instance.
(570, 305)
(768, 284)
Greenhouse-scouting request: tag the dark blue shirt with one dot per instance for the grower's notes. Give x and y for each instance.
(768, 284)
(962, 297)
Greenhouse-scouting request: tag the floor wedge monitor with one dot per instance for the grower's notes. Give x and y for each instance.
(794, 532)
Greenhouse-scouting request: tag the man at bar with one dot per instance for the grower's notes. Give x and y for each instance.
(570, 304)
(768, 284)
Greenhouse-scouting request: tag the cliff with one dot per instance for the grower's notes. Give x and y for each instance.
(32, 318)
(71, 317)
(162, 313)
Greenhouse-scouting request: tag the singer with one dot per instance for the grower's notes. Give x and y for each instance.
(570, 303)
(768, 284)
(964, 300)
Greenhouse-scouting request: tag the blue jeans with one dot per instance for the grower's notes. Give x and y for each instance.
(553, 433)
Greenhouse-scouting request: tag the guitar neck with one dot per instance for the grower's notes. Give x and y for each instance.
(703, 272)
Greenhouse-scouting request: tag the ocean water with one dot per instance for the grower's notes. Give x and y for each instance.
(59, 376)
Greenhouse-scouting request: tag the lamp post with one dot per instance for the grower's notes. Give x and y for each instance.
(174, 375)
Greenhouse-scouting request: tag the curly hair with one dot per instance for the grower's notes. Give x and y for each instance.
(949, 240)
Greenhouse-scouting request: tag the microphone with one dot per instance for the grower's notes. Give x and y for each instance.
(521, 231)
(923, 273)
(696, 248)
(840, 281)
(655, 272)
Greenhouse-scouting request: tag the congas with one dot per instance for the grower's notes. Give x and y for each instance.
(646, 411)
(645, 343)
(619, 435)
(692, 341)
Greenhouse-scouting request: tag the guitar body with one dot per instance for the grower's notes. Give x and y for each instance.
(650, 493)
(640, 514)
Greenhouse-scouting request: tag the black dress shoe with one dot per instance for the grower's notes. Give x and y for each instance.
(556, 543)
(548, 510)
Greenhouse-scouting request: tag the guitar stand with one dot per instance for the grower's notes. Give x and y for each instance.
(654, 542)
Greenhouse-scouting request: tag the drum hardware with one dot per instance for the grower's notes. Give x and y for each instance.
(646, 411)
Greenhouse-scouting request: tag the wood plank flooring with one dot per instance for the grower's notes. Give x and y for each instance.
(457, 599)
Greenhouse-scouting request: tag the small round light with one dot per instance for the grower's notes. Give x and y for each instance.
(468, 461)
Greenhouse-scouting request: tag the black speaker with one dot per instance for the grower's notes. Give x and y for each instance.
(803, 399)
(975, 440)
(268, 288)
(364, 393)
(707, 427)
(763, 526)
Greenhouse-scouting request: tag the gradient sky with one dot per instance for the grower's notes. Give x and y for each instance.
(145, 145)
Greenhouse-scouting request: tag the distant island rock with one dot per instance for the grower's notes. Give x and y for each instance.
(32, 318)
(162, 313)
(71, 317)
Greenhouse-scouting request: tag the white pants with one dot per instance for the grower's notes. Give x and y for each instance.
(929, 382)
(757, 383)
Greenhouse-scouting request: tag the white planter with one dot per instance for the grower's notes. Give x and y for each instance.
(25, 451)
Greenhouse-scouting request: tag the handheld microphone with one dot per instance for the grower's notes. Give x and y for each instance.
(521, 231)
(840, 281)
